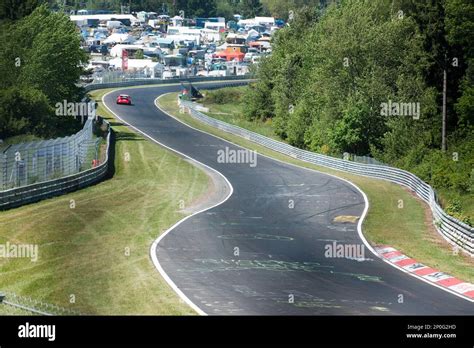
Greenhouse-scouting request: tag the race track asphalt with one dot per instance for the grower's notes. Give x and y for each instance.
(262, 252)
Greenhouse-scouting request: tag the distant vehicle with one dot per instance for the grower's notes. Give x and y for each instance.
(255, 59)
(86, 78)
(124, 99)
(113, 24)
(249, 56)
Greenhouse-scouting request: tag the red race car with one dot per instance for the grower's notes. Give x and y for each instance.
(124, 99)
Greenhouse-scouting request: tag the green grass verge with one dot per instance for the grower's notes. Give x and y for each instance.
(84, 251)
(9, 310)
(232, 112)
(408, 229)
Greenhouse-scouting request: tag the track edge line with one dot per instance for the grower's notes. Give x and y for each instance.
(154, 245)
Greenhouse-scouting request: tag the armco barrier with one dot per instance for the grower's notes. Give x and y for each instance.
(144, 82)
(453, 230)
(32, 193)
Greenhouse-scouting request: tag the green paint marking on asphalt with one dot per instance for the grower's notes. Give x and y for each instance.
(359, 276)
(211, 265)
(259, 236)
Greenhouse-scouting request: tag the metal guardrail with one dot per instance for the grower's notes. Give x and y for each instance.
(143, 82)
(453, 230)
(35, 192)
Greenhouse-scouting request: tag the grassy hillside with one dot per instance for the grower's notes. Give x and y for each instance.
(99, 251)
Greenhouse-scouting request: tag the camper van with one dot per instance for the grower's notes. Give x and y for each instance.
(113, 24)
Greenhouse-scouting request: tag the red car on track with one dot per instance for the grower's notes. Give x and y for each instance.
(124, 99)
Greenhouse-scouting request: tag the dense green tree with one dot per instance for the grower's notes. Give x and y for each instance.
(197, 8)
(282, 8)
(224, 8)
(40, 65)
(460, 32)
(112, 5)
(49, 47)
(260, 104)
(250, 8)
(11, 10)
(23, 110)
(331, 73)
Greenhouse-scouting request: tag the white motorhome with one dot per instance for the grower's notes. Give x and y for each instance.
(219, 26)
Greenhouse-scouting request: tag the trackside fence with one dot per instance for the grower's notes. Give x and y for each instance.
(34, 192)
(13, 304)
(37, 161)
(453, 230)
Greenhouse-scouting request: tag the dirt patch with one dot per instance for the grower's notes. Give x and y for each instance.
(346, 218)
(218, 190)
(433, 235)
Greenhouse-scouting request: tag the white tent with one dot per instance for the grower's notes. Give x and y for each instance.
(119, 38)
(252, 33)
(210, 35)
(214, 25)
(184, 37)
(153, 69)
(267, 21)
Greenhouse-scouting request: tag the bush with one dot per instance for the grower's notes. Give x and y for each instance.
(454, 208)
(23, 111)
(224, 96)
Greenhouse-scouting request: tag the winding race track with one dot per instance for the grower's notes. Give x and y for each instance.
(263, 250)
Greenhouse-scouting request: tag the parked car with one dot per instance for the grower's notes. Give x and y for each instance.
(87, 78)
(98, 49)
(124, 99)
